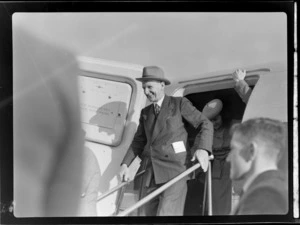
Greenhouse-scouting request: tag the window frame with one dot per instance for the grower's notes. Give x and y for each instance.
(119, 79)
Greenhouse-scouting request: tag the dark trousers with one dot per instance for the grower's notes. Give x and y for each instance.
(221, 188)
(221, 196)
(168, 203)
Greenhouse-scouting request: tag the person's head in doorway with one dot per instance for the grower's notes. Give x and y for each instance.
(212, 110)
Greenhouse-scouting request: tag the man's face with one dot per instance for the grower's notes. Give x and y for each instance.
(239, 165)
(154, 90)
(217, 122)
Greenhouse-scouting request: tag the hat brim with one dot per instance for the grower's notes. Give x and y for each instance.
(145, 79)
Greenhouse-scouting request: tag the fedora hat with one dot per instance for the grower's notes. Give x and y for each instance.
(153, 73)
(212, 108)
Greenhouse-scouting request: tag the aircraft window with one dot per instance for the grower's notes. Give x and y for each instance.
(104, 107)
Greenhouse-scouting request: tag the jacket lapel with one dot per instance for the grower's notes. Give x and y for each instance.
(149, 120)
(165, 111)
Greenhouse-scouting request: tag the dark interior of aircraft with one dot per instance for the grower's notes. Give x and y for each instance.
(233, 109)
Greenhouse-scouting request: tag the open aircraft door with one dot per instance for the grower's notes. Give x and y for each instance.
(269, 97)
(110, 102)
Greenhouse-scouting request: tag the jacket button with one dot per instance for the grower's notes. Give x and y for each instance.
(166, 156)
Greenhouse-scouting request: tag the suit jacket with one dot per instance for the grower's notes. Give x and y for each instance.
(154, 137)
(268, 194)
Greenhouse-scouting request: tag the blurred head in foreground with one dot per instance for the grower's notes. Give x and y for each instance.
(257, 147)
(47, 136)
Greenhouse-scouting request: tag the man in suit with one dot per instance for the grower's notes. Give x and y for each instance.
(256, 148)
(161, 142)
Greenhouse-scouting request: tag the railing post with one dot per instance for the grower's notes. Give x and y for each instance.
(209, 190)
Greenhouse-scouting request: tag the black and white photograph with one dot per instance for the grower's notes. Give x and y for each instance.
(151, 116)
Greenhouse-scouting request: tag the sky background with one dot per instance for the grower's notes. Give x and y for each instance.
(182, 44)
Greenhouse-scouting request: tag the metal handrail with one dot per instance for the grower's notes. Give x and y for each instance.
(168, 184)
(118, 187)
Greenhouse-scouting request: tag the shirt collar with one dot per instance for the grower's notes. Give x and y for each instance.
(160, 101)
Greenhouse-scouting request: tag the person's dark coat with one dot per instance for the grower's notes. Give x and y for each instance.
(267, 194)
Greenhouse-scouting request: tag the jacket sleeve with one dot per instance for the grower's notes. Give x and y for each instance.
(243, 90)
(204, 138)
(138, 143)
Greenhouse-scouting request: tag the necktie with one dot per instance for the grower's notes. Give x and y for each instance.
(156, 109)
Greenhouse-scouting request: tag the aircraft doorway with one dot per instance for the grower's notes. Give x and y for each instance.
(232, 112)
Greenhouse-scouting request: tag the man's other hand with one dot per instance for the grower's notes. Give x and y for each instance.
(202, 157)
(124, 173)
